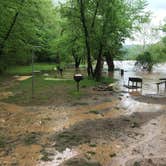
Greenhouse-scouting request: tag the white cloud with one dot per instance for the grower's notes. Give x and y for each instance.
(158, 9)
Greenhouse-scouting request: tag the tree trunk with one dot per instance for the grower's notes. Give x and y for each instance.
(77, 60)
(6, 37)
(86, 33)
(99, 65)
(4, 40)
(110, 62)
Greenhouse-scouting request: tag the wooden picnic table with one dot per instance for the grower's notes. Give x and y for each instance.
(135, 81)
(162, 81)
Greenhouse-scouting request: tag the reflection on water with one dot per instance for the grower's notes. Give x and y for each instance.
(149, 79)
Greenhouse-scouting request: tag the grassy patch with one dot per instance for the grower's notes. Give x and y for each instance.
(94, 112)
(92, 145)
(88, 82)
(81, 162)
(2, 141)
(69, 139)
(46, 156)
(31, 138)
(91, 153)
(107, 80)
(44, 91)
(23, 70)
(48, 92)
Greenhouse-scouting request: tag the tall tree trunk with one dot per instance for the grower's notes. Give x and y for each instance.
(86, 33)
(110, 61)
(99, 65)
(77, 63)
(2, 44)
(77, 60)
(6, 37)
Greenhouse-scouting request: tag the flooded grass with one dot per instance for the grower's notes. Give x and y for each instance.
(80, 162)
(69, 139)
(46, 156)
(2, 141)
(94, 112)
(31, 138)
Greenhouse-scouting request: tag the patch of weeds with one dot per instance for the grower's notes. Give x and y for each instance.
(107, 100)
(107, 80)
(94, 112)
(75, 95)
(46, 156)
(91, 153)
(2, 141)
(134, 125)
(112, 155)
(31, 138)
(81, 162)
(92, 145)
(69, 139)
(137, 164)
(87, 156)
(84, 86)
(79, 104)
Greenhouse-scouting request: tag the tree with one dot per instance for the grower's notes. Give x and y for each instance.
(146, 60)
(23, 24)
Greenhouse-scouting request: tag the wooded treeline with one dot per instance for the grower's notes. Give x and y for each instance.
(89, 31)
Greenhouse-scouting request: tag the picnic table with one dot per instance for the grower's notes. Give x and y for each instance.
(162, 81)
(135, 81)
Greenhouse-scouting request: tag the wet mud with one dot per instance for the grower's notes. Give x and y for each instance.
(118, 128)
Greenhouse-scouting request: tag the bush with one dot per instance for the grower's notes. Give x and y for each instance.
(146, 60)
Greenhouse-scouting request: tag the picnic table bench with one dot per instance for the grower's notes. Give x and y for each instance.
(135, 81)
(162, 81)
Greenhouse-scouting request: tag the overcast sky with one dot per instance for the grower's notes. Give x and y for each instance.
(158, 8)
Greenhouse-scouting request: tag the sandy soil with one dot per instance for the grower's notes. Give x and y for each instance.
(22, 78)
(108, 129)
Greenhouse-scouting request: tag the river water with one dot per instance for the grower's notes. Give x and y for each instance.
(149, 79)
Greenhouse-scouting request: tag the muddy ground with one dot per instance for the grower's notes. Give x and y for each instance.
(104, 129)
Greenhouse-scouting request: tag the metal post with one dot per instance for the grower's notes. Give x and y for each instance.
(158, 89)
(32, 74)
(78, 86)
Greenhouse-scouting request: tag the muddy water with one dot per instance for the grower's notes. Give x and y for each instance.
(149, 79)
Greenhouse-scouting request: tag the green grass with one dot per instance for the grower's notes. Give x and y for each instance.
(81, 162)
(94, 112)
(2, 141)
(31, 138)
(24, 70)
(47, 92)
(44, 91)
